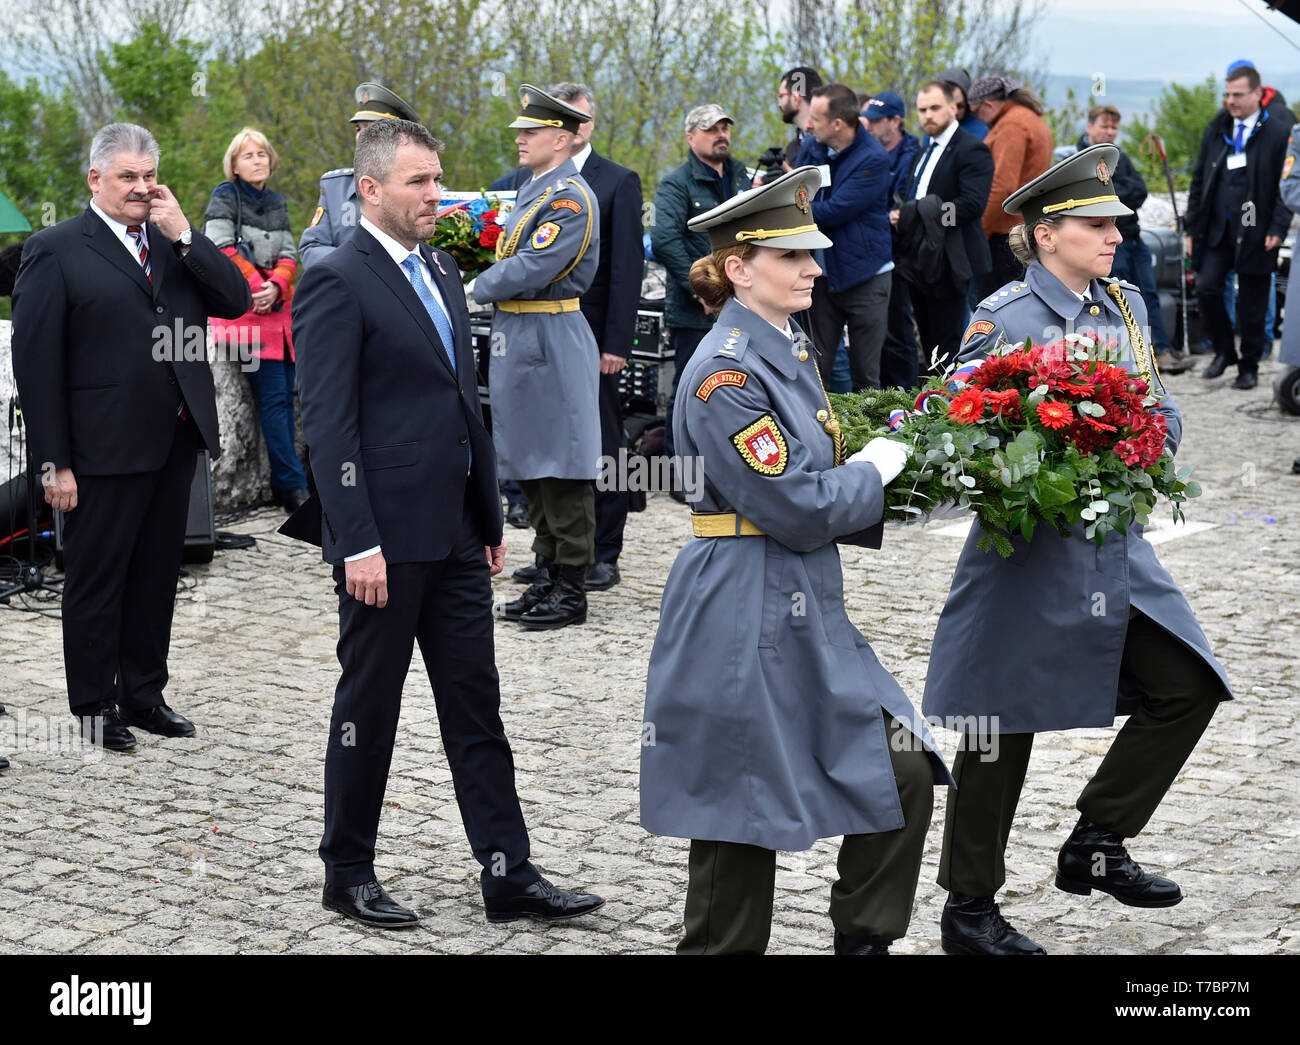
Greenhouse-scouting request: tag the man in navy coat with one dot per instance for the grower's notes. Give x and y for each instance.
(408, 514)
(854, 211)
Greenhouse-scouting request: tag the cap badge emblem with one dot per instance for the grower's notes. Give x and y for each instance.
(1103, 172)
(801, 197)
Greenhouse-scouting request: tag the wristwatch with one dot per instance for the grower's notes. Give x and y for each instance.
(186, 237)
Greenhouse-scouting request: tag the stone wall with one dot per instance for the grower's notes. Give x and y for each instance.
(242, 475)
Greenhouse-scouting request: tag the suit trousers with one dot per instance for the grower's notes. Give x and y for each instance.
(611, 505)
(445, 606)
(731, 886)
(122, 549)
(1251, 304)
(562, 513)
(898, 362)
(1180, 695)
(865, 309)
(940, 318)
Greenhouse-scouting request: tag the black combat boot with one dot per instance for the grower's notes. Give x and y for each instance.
(535, 593)
(539, 570)
(564, 604)
(972, 925)
(846, 944)
(1094, 858)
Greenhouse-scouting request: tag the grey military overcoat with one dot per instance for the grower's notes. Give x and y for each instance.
(763, 720)
(1034, 642)
(337, 213)
(1290, 186)
(544, 370)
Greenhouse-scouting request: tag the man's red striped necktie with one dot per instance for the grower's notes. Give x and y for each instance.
(141, 248)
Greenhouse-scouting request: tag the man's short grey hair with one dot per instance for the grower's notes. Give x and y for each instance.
(377, 146)
(121, 138)
(567, 92)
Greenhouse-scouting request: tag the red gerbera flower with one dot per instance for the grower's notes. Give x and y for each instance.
(967, 407)
(1003, 403)
(1055, 415)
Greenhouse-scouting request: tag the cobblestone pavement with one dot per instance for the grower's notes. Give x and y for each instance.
(208, 845)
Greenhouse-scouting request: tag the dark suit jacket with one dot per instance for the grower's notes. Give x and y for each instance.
(962, 177)
(98, 362)
(611, 301)
(389, 426)
(1265, 152)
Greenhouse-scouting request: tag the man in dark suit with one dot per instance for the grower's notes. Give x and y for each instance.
(1236, 220)
(109, 346)
(610, 306)
(940, 245)
(405, 509)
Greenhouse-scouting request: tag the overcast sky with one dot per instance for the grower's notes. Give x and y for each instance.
(1165, 39)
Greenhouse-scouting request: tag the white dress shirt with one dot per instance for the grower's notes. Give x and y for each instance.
(581, 158)
(119, 230)
(940, 143)
(1247, 125)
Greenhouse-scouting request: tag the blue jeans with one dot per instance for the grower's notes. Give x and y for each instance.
(1133, 263)
(685, 340)
(272, 383)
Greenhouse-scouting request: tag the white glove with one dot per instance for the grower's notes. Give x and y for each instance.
(888, 456)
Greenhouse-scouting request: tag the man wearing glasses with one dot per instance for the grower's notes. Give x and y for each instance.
(1236, 220)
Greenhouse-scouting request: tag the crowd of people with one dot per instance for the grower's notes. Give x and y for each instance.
(911, 251)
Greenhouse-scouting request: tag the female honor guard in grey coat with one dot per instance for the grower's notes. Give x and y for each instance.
(1111, 632)
(544, 369)
(769, 723)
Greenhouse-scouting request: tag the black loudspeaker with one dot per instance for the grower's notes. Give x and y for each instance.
(200, 526)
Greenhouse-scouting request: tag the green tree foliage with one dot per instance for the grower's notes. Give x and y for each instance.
(1181, 116)
(42, 154)
(1068, 121)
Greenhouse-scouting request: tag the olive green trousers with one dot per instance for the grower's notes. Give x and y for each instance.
(731, 887)
(1182, 692)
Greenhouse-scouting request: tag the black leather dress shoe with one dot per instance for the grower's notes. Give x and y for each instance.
(974, 925)
(846, 944)
(368, 904)
(1295, 466)
(517, 515)
(1216, 367)
(1247, 379)
(106, 729)
(1094, 858)
(4, 762)
(541, 568)
(541, 900)
(601, 576)
(161, 720)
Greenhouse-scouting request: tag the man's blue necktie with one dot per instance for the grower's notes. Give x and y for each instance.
(440, 322)
(1236, 142)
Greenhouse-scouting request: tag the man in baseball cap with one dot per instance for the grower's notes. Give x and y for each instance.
(710, 176)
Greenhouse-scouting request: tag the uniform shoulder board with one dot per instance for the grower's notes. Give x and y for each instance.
(729, 344)
(1123, 283)
(337, 172)
(998, 298)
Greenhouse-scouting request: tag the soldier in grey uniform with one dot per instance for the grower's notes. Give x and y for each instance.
(1289, 353)
(769, 723)
(337, 210)
(1063, 634)
(544, 366)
